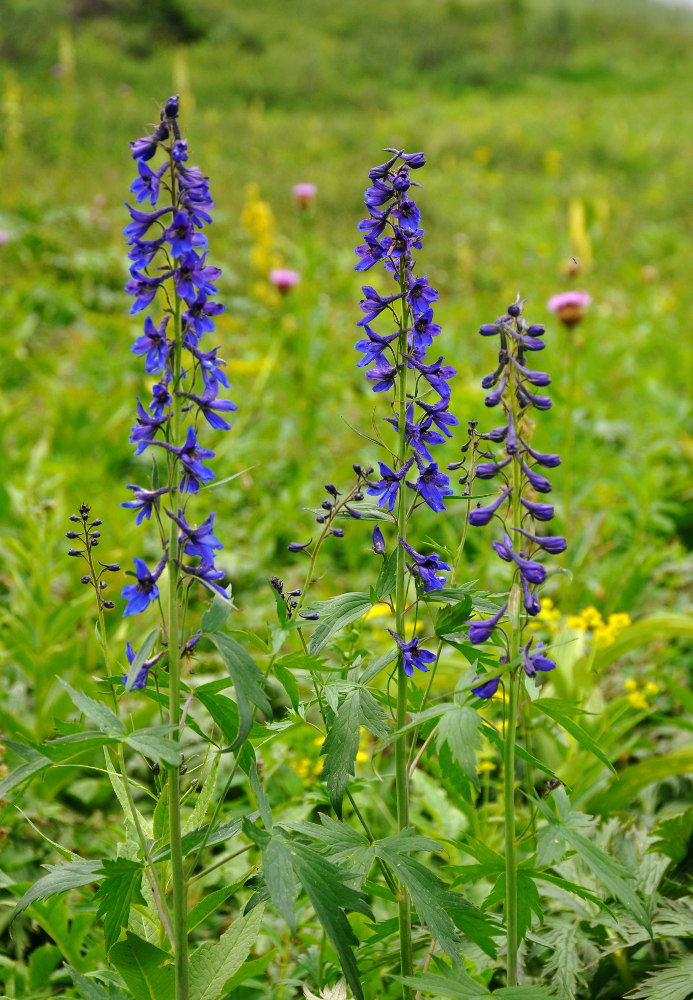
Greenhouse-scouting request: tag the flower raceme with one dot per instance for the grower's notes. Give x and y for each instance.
(515, 506)
(398, 329)
(169, 269)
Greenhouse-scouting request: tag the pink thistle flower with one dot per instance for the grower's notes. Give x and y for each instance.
(304, 194)
(283, 279)
(569, 306)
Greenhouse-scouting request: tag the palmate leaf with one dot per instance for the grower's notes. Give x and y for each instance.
(357, 708)
(117, 893)
(213, 964)
(147, 971)
(335, 614)
(674, 982)
(459, 728)
(562, 712)
(247, 682)
(99, 713)
(90, 989)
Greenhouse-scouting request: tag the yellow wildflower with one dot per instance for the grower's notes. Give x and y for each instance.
(378, 611)
(619, 620)
(592, 617)
(485, 766)
(577, 622)
(638, 700)
(651, 688)
(631, 685)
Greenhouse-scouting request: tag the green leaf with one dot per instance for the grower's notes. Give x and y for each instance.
(459, 986)
(34, 763)
(42, 961)
(631, 780)
(335, 614)
(281, 881)
(330, 896)
(452, 617)
(117, 893)
(152, 743)
(88, 988)
(223, 711)
(247, 681)
(572, 887)
(430, 895)
(447, 595)
(260, 797)
(213, 964)
(674, 835)
(192, 841)
(217, 614)
(142, 654)
(459, 728)
(673, 982)
(643, 633)
(557, 710)
(209, 903)
(147, 971)
(387, 577)
(288, 682)
(525, 993)
(379, 663)
(60, 878)
(358, 708)
(361, 434)
(99, 713)
(64, 747)
(610, 873)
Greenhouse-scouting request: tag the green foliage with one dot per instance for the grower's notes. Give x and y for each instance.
(147, 970)
(357, 708)
(213, 964)
(119, 891)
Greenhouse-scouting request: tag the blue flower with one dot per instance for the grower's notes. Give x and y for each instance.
(481, 631)
(432, 485)
(412, 656)
(207, 574)
(154, 344)
(143, 501)
(144, 431)
(383, 375)
(388, 488)
(198, 540)
(372, 346)
(211, 366)
(191, 456)
(210, 407)
(420, 295)
(146, 186)
(139, 595)
(378, 541)
(482, 515)
(143, 675)
(197, 319)
(428, 568)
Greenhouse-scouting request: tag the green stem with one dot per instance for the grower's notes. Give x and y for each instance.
(401, 776)
(180, 893)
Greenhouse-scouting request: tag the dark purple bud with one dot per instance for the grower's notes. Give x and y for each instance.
(109, 605)
(540, 483)
(496, 435)
(72, 534)
(480, 631)
(111, 567)
(482, 515)
(320, 519)
(515, 309)
(353, 513)
(487, 470)
(536, 330)
(512, 445)
(298, 546)
(489, 329)
(414, 160)
(554, 544)
(94, 534)
(338, 532)
(326, 505)
(94, 542)
(74, 517)
(378, 541)
(85, 579)
(358, 495)
(295, 593)
(541, 511)
(454, 466)
(171, 107)
(532, 605)
(543, 458)
(74, 552)
(331, 489)
(96, 523)
(310, 616)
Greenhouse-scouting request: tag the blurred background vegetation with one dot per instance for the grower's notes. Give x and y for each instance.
(552, 128)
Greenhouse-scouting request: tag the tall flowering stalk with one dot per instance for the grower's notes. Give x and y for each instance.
(419, 395)
(169, 269)
(522, 514)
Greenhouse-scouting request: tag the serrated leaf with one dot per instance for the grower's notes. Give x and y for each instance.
(674, 835)
(281, 881)
(117, 893)
(335, 614)
(34, 761)
(451, 617)
(192, 841)
(555, 710)
(217, 614)
(88, 988)
(223, 710)
(429, 894)
(60, 878)
(151, 742)
(358, 708)
(247, 682)
(99, 713)
(147, 971)
(670, 983)
(525, 993)
(461, 987)
(210, 902)
(459, 728)
(260, 797)
(288, 682)
(377, 664)
(387, 577)
(213, 964)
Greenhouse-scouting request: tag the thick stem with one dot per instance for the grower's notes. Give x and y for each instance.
(509, 807)
(401, 776)
(180, 901)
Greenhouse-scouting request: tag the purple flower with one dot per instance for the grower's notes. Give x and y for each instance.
(161, 397)
(531, 662)
(487, 689)
(481, 516)
(420, 295)
(540, 483)
(197, 319)
(139, 595)
(428, 568)
(154, 344)
(369, 252)
(436, 374)
(372, 346)
(378, 541)
(373, 303)
(143, 288)
(540, 511)
(141, 221)
(191, 456)
(423, 331)
(542, 458)
(388, 488)
(412, 656)
(198, 540)
(554, 544)
(194, 278)
(211, 366)
(182, 237)
(144, 431)
(383, 375)
(210, 407)
(207, 574)
(146, 186)
(432, 485)
(480, 631)
(143, 501)
(143, 675)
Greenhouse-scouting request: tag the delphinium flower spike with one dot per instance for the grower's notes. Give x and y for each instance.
(170, 273)
(399, 333)
(522, 545)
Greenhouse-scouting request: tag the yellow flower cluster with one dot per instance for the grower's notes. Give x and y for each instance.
(637, 696)
(588, 620)
(257, 219)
